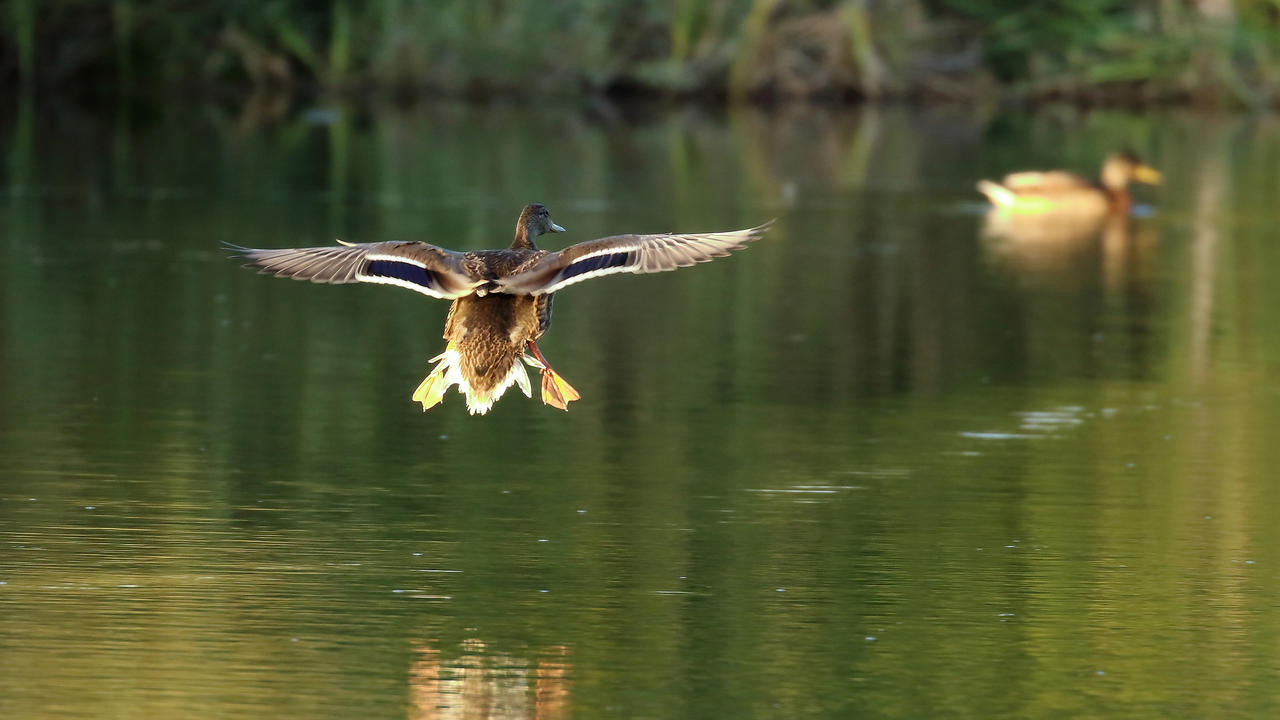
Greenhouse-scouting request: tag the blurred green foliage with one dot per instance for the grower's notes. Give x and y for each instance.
(1088, 49)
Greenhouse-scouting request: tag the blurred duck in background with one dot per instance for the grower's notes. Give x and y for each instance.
(1059, 227)
(1066, 193)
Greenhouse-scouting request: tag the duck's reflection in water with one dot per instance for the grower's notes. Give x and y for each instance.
(477, 684)
(1064, 249)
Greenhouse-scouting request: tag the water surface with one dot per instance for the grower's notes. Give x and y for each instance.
(882, 464)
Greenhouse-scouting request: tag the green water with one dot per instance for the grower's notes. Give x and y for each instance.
(877, 465)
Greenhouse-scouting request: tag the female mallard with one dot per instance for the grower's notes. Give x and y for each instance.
(501, 298)
(1059, 190)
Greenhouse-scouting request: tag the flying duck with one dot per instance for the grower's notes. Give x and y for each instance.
(501, 298)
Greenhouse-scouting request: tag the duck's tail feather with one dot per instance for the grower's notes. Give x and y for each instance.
(480, 400)
(999, 195)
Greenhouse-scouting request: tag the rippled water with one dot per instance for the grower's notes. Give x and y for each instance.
(885, 463)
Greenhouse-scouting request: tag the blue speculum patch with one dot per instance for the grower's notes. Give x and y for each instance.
(401, 271)
(592, 264)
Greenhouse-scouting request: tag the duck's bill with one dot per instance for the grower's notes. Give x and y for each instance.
(1147, 174)
(557, 228)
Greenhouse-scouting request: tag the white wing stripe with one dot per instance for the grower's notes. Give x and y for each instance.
(554, 286)
(395, 258)
(379, 280)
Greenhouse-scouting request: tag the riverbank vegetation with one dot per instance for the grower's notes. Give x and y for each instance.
(1096, 51)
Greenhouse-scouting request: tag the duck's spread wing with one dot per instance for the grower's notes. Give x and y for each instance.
(413, 265)
(624, 253)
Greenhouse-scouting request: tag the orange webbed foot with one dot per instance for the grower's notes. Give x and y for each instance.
(431, 390)
(556, 391)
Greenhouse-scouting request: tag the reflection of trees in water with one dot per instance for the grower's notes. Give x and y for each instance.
(478, 685)
(1094, 273)
(893, 292)
(1207, 213)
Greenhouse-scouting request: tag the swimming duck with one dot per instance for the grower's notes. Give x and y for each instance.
(1062, 191)
(501, 298)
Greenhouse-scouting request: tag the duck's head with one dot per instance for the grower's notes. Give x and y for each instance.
(1123, 167)
(534, 221)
